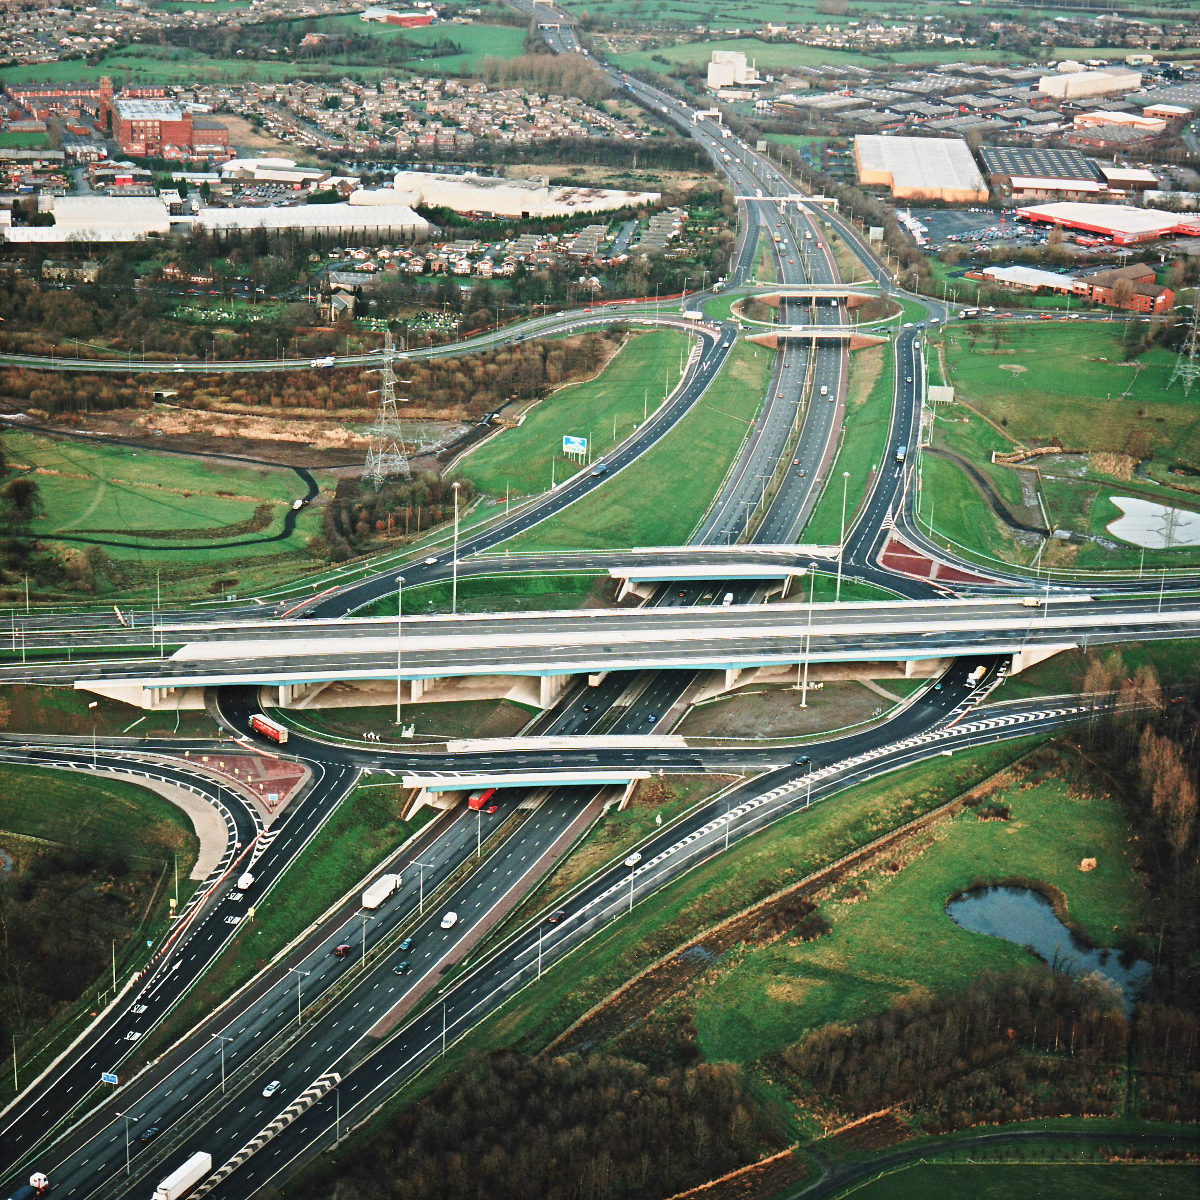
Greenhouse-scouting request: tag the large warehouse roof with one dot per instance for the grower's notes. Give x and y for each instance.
(1123, 223)
(383, 218)
(98, 219)
(913, 166)
(1039, 164)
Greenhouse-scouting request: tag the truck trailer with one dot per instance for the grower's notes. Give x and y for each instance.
(380, 890)
(184, 1178)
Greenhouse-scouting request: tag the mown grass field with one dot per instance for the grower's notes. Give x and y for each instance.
(864, 442)
(768, 996)
(658, 500)
(1029, 1181)
(477, 41)
(643, 371)
(172, 512)
(1093, 401)
(36, 709)
(91, 813)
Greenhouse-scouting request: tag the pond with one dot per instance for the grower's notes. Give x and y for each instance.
(1023, 916)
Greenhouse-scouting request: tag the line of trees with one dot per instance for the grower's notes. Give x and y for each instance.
(358, 516)
(598, 1128)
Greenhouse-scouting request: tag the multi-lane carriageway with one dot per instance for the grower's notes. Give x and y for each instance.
(335, 1014)
(578, 642)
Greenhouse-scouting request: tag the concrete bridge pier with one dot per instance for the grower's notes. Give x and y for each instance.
(550, 687)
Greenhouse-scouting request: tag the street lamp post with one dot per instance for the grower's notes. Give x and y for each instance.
(365, 918)
(421, 884)
(127, 1118)
(454, 557)
(298, 973)
(399, 678)
(221, 1040)
(842, 539)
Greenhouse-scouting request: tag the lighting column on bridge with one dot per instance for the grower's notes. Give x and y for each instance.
(802, 685)
(842, 539)
(365, 918)
(399, 678)
(454, 555)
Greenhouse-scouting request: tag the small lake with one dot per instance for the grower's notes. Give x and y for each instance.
(1023, 916)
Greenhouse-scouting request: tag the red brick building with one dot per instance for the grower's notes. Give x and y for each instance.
(1130, 287)
(162, 129)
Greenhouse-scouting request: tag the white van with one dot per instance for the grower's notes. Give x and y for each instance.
(824, 389)
(728, 600)
(450, 920)
(245, 881)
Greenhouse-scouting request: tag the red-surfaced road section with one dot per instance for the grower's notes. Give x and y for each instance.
(900, 557)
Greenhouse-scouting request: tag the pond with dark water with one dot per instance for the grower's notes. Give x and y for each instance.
(1026, 917)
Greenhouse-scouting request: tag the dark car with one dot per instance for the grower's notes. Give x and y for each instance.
(402, 968)
(804, 760)
(148, 1135)
(407, 944)
(557, 916)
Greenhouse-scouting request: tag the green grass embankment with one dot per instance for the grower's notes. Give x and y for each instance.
(605, 409)
(658, 500)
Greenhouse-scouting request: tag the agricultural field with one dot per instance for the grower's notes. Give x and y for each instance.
(477, 41)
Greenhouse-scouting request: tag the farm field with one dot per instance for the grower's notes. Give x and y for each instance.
(605, 409)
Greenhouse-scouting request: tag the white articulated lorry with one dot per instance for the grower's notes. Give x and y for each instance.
(380, 890)
(184, 1178)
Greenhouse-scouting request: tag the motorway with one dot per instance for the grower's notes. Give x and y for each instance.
(310, 1020)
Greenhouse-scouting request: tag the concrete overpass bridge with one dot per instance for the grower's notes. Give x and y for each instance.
(535, 656)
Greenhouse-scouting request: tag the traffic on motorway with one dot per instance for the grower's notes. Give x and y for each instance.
(436, 941)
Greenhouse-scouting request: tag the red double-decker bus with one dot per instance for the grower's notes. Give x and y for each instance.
(268, 728)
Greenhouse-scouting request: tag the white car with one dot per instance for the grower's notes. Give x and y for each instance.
(634, 859)
(431, 560)
(450, 920)
(272, 1087)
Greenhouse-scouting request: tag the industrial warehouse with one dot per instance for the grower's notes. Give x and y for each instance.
(920, 168)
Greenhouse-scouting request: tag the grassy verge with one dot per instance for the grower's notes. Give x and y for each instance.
(764, 261)
(451, 719)
(1177, 665)
(864, 441)
(499, 593)
(605, 410)
(1058, 819)
(62, 710)
(658, 499)
(360, 834)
